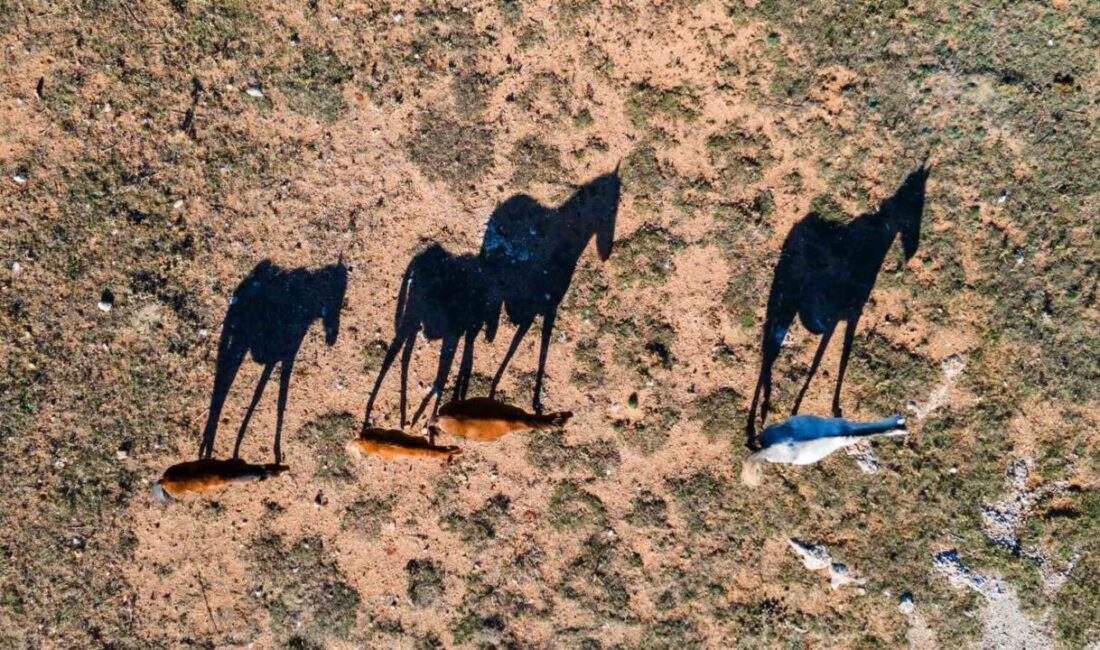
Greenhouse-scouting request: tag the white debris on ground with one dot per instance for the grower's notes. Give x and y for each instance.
(920, 634)
(816, 558)
(863, 455)
(949, 564)
(1002, 521)
(952, 367)
(1005, 627)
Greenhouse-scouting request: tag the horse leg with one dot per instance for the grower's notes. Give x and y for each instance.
(824, 343)
(764, 378)
(284, 387)
(521, 331)
(544, 347)
(229, 362)
(264, 377)
(446, 360)
(466, 367)
(406, 357)
(391, 354)
(849, 337)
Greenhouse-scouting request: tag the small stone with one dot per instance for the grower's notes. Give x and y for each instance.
(106, 301)
(397, 17)
(178, 204)
(16, 268)
(254, 91)
(905, 604)
(19, 179)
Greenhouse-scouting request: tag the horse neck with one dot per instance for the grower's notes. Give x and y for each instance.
(878, 239)
(576, 230)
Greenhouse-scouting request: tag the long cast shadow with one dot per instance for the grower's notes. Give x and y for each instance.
(269, 314)
(526, 263)
(443, 296)
(825, 275)
(530, 253)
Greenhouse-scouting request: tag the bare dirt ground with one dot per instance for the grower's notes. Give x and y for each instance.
(152, 154)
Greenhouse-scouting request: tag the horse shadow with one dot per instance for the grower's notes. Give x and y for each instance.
(825, 275)
(524, 267)
(443, 296)
(530, 253)
(269, 314)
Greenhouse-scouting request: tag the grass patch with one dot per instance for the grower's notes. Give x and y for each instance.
(548, 449)
(535, 161)
(425, 582)
(481, 525)
(446, 149)
(366, 515)
(573, 508)
(721, 413)
(314, 85)
(645, 257)
(304, 590)
(326, 437)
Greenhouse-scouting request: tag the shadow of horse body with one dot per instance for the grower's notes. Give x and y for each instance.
(443, 296)
(530, 253)
(524, 268)
(269, 314)
(825, 275)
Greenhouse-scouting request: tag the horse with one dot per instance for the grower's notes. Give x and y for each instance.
(269, 314)
(442, 295)
(530, 252)
(825, 275)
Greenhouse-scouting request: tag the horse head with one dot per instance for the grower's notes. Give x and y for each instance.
(905, 209)
(332, 285)
(596, 205)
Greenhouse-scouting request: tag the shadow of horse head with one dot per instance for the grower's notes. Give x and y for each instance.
(825, 275)
(530, 253)
(269, 314)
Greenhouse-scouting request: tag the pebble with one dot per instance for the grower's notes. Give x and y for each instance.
(254, 91)
(103, 306)
(16, 267)
(906, 605)
(19, 179)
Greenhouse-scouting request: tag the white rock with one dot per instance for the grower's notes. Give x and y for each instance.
(16, 267)
(19, 179)
(254, 91)
(906, 605)
(103, 306)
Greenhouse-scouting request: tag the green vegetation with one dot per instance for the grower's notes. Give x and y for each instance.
(480, 526)
(535, 161)
(425, 582)
(326, 437)
(313, 86)
(645, 257)
(721, 412)
(549, 451)
(304, 590)
(646, 102)
(367, 514)
(571, 507)
(449, 150)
